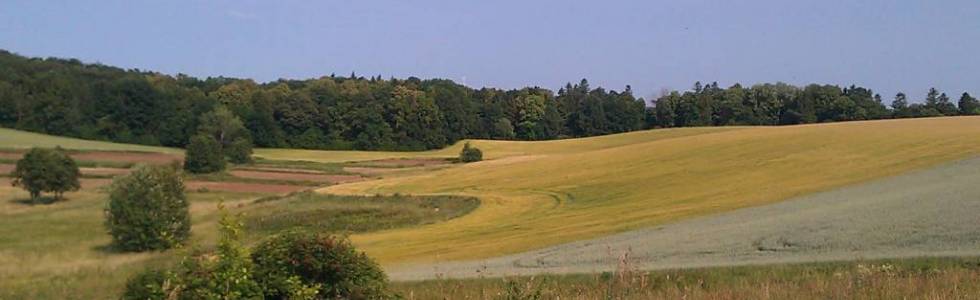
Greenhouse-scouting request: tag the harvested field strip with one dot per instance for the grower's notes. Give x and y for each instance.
(281, 170)
(104, 171)
(6, 169)
(288, 176)
(244, 187)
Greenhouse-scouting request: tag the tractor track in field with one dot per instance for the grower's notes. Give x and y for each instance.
(932, 212)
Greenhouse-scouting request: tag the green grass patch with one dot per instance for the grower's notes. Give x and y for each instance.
(353, 214)
(225, 177)
(326, 168)
(18, 139)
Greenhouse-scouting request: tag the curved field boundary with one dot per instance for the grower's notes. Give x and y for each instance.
(652, 182)
(926, 213)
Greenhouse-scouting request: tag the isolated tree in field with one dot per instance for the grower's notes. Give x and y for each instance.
(46, 170)
(470, 154)
(229, 131)
(204, 155)
(969, 105)
(148, 210)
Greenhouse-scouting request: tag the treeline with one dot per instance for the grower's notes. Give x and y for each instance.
(783, 104)
(93, 101)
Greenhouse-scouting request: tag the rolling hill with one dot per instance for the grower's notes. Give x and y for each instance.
(540, 194)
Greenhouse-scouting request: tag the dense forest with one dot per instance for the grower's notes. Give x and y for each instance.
(93, 101)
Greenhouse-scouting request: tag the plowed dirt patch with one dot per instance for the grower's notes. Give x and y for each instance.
(8, 168)
(113, 156)
(244, 187)
(132, 157)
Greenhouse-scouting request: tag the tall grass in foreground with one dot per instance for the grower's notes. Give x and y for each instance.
(925, 278)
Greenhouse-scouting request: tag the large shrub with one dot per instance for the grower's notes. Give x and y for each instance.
(149, 284)
(332, 263)
(46, 170)
(148, 210)
(470, 154)
(204, 155)
(227, 273)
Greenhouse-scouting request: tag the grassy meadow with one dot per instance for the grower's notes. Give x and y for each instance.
(918, 278)
(17, 139)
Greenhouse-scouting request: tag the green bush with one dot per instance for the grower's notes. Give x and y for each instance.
(239, 151)
(228, 273)
(204, 155)
(148, 210)
(329, 262)
(148, 284)
(470, 154)
(46, 170)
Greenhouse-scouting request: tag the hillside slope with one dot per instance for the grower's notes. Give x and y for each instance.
(541, 199)
(932, 212)
(17, 139)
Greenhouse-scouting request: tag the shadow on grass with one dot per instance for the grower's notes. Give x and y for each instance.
(43, 200)
(110, 248)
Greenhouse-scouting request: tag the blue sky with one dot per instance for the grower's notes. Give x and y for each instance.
(889, 46)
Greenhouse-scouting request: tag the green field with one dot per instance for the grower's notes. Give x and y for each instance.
(16, 139)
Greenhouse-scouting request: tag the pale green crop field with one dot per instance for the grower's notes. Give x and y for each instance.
(16, 139)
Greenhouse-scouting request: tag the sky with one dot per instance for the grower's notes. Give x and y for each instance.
(888, 46)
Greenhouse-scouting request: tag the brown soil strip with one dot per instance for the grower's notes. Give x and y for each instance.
(131, 157)
(244, 187)
(295, 176)
(8, 168)
(284, 170)
(113, 156)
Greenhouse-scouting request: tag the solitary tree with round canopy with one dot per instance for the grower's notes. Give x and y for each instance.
(46, 170)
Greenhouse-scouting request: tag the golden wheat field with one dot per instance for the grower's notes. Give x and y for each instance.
(536, 194)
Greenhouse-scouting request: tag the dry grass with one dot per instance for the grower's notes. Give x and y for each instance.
(577, 190)
(907, 279)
